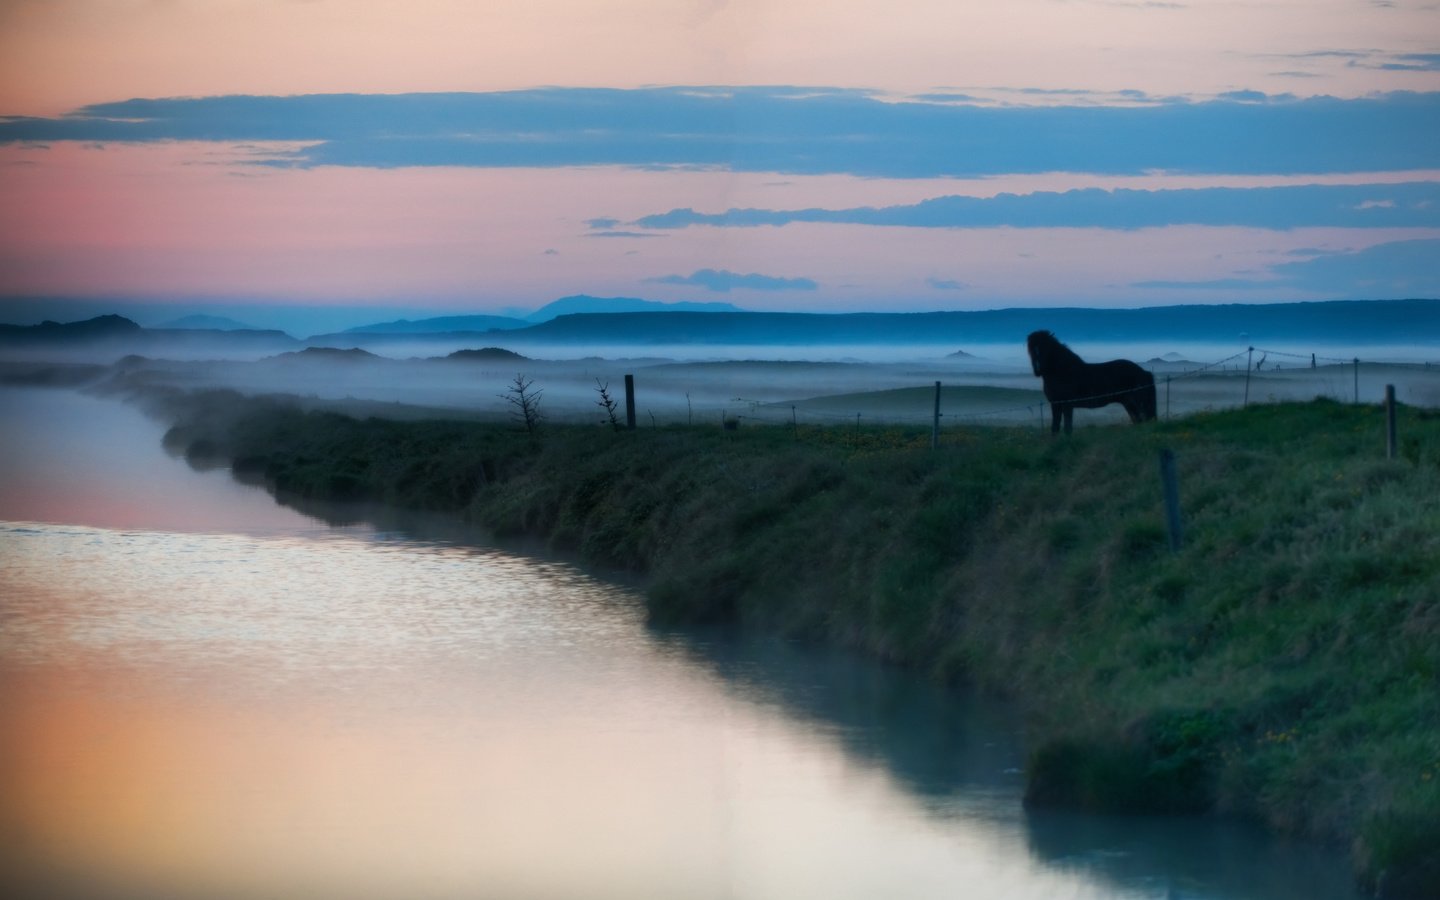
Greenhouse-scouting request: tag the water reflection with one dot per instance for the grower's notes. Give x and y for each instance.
(72, 458)
(1186, 857)
(960, 756)
(256, 709)
(202, 714)
(938, 742)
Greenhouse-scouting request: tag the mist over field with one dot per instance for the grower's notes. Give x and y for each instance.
(473, 375)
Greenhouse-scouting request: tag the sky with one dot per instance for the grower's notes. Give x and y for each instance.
(432, 157)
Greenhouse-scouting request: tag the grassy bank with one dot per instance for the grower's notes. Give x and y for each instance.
(1283, 665)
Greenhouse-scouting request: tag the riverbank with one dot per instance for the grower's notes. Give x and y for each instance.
(1283, 665)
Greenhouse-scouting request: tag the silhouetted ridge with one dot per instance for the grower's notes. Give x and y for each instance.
(488, 353)
(332, 354)
(584, 303)
(87, 329)
(1336, 321)
(436, 325)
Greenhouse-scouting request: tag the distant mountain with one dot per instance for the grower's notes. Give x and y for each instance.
(117, 336)
(98, 328)
(414, 339)
(206, 323)
(438, 324)
(583, 303)
(1336, 323)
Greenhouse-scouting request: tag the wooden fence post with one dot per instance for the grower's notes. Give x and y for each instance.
(1357, 379)
(935, 426)
(1390, 421)
(1248, 353)
(1171, 487)
(630, 402)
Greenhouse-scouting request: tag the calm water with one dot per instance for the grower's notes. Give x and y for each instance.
(204, 694)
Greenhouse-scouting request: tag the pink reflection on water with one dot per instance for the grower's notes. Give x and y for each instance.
(67, 458)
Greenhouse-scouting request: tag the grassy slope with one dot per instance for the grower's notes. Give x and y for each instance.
(1284, 665)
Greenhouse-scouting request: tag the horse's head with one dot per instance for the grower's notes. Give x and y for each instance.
(1038, 344)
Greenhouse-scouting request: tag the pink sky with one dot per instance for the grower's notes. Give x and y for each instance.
(56, 55)
(191, 220)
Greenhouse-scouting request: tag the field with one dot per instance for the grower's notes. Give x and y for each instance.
(997, 388)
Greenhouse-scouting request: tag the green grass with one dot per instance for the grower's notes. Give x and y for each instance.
(1283, 665)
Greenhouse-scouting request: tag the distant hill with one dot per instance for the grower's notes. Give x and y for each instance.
(117, 336)
(584, 303)
(97, 328)
(419, 338)
(488, 354)
(479, 324)
(1339, 323)
(206, 323)
(328, 354)
(437, 325)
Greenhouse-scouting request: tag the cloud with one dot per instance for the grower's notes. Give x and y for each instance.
(1379, 60)
(1412, 62)
(789, 130)
(948, 97)
(1394, 269)
(723, 281)
(1405, 205)
(623, 234)
(946, 284)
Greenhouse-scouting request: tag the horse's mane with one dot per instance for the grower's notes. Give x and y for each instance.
(1048, 349)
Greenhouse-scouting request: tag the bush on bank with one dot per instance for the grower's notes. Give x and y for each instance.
(1283, 665)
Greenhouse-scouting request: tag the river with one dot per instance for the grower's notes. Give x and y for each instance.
(206, 694)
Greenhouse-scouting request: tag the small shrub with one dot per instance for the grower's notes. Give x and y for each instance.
(525, 403)
(608, 404)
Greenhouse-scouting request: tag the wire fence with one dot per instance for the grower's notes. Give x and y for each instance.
(1254, 374)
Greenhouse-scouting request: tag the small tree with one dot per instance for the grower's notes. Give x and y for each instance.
(525, 403)
(607, 403)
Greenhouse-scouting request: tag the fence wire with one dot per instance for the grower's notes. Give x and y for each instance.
(797, 414)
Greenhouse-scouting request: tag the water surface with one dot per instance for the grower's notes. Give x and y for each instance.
(203, 693)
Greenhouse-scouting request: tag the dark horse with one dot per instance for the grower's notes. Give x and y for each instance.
(1070, 382)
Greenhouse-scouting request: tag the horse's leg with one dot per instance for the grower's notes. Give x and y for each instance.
(1132, 406)
(1055, 418)
(1069, 418)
